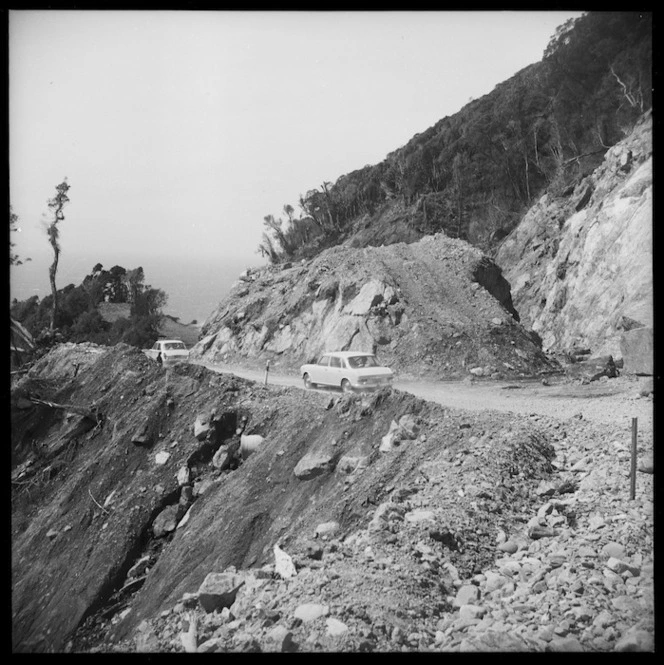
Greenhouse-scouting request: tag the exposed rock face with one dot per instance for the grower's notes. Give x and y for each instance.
(637, 350)
(434, 307)
(581, 268)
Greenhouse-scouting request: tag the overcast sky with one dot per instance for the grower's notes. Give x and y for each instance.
(179, 131)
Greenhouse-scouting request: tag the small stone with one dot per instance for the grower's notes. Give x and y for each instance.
(283, 563)
(557, 560)
(509, 546)
(626, 604)
(647, 464)
(468, 594)
(545, 488)
(620, 567)
(567, 644)
(310, 611)
(327, 529)
(471, 612)
(161, 458)
(166, 521)
(312, 465)
(545, 634)
(636, 640)
(613, 549)
(420, 515)
(183, 476)
(280, 639)
(335, 628)
(222, 458)
(213, 645)
(536, 532)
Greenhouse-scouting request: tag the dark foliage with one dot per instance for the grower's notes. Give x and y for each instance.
(78, 318)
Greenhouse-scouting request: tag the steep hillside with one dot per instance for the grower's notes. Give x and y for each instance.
(437, 308)
(474, 174)
(140, 524)
(581, 266)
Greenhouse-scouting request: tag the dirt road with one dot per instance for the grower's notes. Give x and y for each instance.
(613, 401)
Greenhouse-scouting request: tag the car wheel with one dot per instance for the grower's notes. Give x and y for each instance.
(307, 382)
(346, 387)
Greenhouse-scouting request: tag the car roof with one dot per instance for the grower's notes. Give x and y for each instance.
(346, 354)
(171, 340)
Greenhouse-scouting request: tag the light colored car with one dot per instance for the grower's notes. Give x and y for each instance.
(168, 351)
(348, 370)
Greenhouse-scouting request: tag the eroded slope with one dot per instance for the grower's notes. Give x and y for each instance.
(437, 307)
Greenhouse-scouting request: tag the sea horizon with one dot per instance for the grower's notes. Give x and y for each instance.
(194, 286)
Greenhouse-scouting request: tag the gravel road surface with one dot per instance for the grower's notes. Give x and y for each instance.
(612, 401)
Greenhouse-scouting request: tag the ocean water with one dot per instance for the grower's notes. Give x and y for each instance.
(194, 286)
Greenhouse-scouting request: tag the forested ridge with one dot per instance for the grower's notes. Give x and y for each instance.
(475, 173)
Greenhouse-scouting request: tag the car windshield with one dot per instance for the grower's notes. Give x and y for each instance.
(170, 346)
(362, 361)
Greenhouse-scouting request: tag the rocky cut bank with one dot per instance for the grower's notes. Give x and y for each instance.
(435, 308)
(581, 265)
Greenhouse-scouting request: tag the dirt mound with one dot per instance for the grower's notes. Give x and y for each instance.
(437, 308)
(387, 504)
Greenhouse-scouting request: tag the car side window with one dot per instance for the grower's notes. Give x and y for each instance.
(325, 360)
(156, 346)
(335, 362)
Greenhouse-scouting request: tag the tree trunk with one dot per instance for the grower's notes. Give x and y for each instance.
(51, 275)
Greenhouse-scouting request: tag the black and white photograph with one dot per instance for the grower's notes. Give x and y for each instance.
(331, 331)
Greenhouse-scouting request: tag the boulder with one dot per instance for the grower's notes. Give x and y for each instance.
(143, 436)
(311, 611)
(335, 628)
(372, 293)
(283, 564)
(202, 426)
(183, 476)
(162, 457)
(249, 444)
(222, 458)
(636, 640)
(468, 594)
(327, 529)
(166, 521)
(406, 429)
(279, 639)
(636, 347)
(218, 590)
(312, 465)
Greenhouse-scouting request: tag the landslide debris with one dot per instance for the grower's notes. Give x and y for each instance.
(434, 308)
(367, 522)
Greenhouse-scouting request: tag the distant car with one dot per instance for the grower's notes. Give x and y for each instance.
(348, 370)
(168, 351)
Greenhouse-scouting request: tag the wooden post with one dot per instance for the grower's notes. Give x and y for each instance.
(267, 369)
(632, 474)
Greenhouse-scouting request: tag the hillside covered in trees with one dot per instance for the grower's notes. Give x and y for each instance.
(474, 174)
